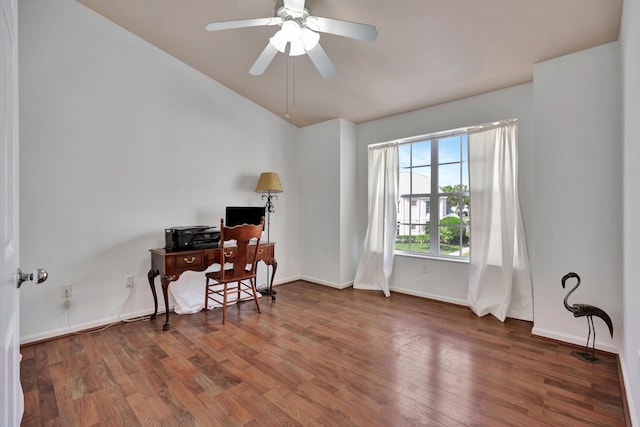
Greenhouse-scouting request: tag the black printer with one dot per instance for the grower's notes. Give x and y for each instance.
(191, 237)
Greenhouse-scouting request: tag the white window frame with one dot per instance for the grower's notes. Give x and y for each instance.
(433, 198)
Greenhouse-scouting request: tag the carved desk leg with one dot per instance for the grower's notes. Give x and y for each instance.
(151, 276)
(274, 264)
(166, 280)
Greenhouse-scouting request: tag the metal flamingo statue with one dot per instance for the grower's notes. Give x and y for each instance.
(580, 310)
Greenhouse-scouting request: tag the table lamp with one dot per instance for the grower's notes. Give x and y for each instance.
(269, 182)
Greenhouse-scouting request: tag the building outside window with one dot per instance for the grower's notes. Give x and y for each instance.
(433, 205)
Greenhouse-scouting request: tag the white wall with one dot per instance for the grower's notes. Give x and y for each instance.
(349, 245)
(630, 355)
(319, 165)
(446, 280)
(578, 198)
(327, 174)
(119, 141)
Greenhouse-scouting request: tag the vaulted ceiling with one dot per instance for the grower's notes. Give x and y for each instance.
(427, 52)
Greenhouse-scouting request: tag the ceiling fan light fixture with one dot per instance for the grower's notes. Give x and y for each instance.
(279, 41)
(291, 30)
(296, 48)
(309, 38)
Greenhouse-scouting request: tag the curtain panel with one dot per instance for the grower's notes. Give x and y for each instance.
(499, 279)
(376, 259)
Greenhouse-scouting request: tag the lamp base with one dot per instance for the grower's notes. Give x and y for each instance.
(266, 291)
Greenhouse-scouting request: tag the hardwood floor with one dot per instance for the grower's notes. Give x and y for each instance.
(319, 357)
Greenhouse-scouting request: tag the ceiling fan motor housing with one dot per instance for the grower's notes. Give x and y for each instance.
(283, 12)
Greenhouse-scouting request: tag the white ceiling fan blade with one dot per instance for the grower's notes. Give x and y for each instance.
(263, 60)
(353, 30)
(295, 6)
(242, 23)
(322, 62)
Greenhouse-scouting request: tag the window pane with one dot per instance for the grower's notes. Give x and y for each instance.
(465, 147)
(404, 228)
(422, 244)
(418, 215)
(421, 180)
(404, 213)
(449, 149)
(413, 238)
(466, 241)
(420, 240)
(417, 207)
(451, 236)
(404, 184)
(443, 207)
(421, 153)
(455, 205)
(449, 249)
(465, 176)
(449, 176)
(404, 156)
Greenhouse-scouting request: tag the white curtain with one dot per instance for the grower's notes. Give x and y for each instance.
(499, 281)
(376, 260)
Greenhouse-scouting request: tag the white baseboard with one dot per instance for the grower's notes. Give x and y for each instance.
(85, 326)
(325, 283)
(627, 390)
(429, 296)
(285, 280)
(572, 339)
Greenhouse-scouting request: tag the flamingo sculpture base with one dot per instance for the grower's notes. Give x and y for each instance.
(586, 356)
(589, 354)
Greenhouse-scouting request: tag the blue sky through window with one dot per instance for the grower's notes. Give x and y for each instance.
(450, 149)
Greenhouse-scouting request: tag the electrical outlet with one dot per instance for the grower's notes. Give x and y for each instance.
(424, 269)
(128, 281)
(66, 292)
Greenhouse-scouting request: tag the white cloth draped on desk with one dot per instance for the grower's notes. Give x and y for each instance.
(188, 294)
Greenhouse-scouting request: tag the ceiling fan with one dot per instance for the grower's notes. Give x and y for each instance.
(299, 30)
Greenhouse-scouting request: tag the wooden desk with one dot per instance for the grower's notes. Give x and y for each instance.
(170, 265)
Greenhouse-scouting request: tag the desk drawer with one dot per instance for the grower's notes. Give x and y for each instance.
(265, 252)
(189, 261)
(230, 253)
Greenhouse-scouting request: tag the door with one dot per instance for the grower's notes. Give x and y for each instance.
(11, 398)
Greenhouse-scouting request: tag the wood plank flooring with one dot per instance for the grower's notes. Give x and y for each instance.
(319, 356)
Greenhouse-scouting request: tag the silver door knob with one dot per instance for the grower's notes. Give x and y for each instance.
(38, 276)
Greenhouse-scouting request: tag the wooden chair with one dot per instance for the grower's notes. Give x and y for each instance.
(240, 278)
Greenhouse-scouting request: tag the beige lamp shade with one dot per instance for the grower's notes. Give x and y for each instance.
(269, 182)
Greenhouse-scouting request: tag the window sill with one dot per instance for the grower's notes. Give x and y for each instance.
(431, 257)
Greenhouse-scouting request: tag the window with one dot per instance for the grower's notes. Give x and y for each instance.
(433, 205)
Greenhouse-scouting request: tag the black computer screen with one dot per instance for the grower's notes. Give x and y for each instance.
(238, 215)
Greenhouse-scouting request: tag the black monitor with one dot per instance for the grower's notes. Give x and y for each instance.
(238, 215)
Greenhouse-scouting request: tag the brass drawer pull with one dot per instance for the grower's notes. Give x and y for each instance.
(260, 251)
(189, 261)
